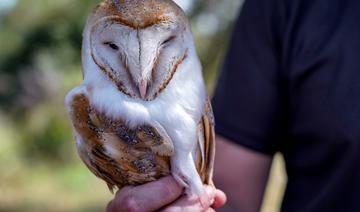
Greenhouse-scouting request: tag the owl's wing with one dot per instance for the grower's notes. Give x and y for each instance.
(206, 145)
(115, 153)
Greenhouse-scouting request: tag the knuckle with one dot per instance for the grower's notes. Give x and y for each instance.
(124, 190)
(130, 204)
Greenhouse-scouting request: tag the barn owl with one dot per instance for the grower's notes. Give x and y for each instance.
(142, 111)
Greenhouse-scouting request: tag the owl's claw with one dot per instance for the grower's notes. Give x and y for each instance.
(184, 171)
(181, 180)
(204, 201)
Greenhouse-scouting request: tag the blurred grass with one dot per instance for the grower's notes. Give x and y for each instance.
(39, 63)
(44, 188)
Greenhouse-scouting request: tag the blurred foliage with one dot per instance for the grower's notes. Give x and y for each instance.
(40, 45)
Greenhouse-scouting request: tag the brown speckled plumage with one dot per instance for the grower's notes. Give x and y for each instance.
(138, 162)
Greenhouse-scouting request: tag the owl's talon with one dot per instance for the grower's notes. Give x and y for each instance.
(204, 201)
(180, 179)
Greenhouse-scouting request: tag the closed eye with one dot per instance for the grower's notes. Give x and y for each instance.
(111, 45)
(168, 40)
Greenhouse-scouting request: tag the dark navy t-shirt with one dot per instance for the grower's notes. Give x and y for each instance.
(291, 84)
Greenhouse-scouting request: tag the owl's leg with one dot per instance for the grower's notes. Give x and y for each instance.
(184, 171)
(184, 138)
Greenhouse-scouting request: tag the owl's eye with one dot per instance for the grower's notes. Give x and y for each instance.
(168, 40)
(112, 45)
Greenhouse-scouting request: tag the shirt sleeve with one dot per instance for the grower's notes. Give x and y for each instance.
(249, 99)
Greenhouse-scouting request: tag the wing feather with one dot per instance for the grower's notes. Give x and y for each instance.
(206, 145)
(115, 153)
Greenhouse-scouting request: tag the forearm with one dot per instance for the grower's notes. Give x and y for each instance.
(242, 174)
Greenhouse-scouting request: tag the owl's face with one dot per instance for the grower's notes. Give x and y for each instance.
(140, 54)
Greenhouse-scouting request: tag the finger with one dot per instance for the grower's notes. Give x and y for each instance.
(185, 203)
(148, 197)
(210, 210)
(192, 203)
(110, 207)
(219, 199)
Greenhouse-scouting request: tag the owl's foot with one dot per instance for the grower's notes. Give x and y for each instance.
(180, 179)
(202, 198)
(204, 201)
(186, 175)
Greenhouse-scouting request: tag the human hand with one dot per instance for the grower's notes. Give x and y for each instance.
(163, 195)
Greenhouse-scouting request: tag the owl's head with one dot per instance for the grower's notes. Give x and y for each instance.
(137, 44)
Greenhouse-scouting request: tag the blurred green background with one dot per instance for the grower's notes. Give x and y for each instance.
(39, 63)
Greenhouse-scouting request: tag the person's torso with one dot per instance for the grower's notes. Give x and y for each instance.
(322, 64)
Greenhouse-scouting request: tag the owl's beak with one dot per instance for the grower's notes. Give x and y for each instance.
(143, 88)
